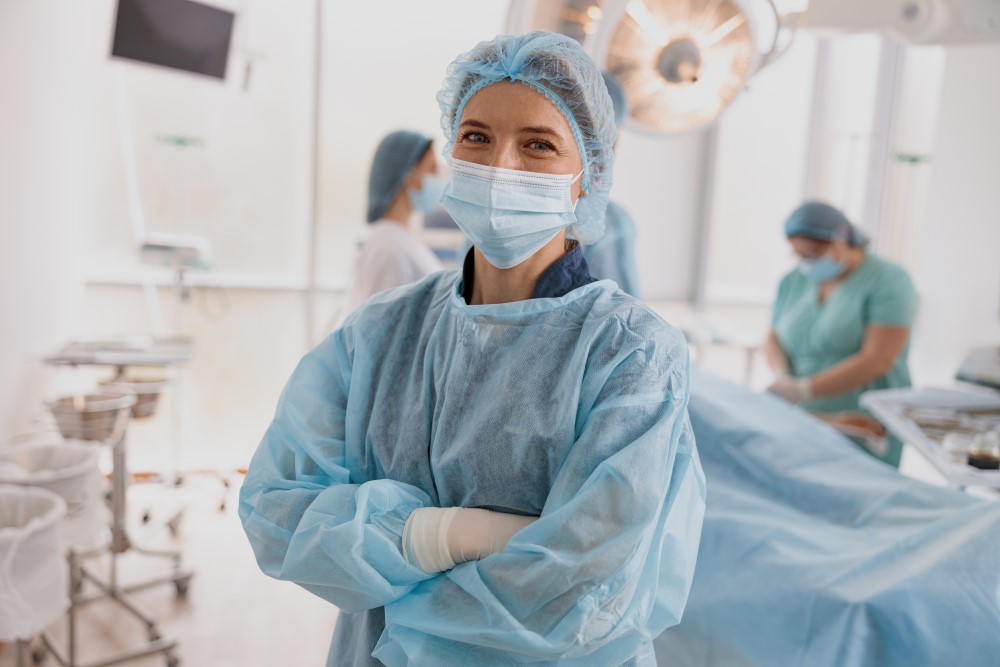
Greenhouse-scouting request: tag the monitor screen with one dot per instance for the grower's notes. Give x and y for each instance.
(179, 34)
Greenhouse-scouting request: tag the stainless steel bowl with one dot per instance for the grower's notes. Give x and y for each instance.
(100, 417)
(147, 393)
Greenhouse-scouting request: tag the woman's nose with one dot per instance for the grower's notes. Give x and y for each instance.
(505, 156)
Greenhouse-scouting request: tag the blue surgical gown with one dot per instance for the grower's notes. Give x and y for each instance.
(613, 255)
(571, 408)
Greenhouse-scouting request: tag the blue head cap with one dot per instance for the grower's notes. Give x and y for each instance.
(395, 156)
(618, 97)
(559, 68)
(816, 220)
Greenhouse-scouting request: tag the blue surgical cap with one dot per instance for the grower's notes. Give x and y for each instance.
(816, 220)
(618, 97)
(395, 156)
(559, 68)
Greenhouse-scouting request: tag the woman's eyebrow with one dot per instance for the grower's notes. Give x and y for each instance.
(541, 130)
(474, 123)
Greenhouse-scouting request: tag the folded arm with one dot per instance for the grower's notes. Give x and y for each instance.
(306, 519)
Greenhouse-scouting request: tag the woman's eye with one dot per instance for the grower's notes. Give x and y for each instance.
(540, 146)
(474, 137)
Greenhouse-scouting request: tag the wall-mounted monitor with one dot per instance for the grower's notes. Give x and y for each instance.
(179, 34)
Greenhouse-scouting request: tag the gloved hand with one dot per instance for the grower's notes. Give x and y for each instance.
(793, 390)
(475, 533)
(436, 539)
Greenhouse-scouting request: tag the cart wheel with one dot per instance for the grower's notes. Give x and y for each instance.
(182, 585)
(174, 525)
(222, 505)
(39, 654)
(173, 661)
(146, 516)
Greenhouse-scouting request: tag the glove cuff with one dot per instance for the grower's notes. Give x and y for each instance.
(805, 388)
(425, 538)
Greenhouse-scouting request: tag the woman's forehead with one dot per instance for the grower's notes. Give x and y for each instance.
(806, 244)
(510, 105)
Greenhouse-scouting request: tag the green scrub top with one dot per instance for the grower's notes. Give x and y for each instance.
(816, 336)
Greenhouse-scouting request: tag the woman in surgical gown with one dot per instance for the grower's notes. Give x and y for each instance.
(494, 465)
(403, 181)
(840, 325)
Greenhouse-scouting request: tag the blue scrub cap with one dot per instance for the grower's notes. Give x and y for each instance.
(618, 97)
(816, 220)
(395, 156)
(559, 68)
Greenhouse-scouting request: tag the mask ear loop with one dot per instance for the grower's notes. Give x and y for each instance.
(583, 192)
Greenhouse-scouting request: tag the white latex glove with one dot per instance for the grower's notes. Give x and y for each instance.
(793, 390)
(425, 538)
(475, 534)
(436, 539)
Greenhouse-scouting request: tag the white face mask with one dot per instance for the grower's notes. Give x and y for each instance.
(508, 214)
(428, 197)
(821, 269)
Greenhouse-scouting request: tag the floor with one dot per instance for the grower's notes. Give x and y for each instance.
(233, 615)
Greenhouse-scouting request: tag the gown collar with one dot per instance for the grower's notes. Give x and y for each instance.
(565, 275)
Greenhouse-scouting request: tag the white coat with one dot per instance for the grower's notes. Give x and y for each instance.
(391, 257)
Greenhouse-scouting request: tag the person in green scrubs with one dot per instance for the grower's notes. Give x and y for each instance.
(840, 325)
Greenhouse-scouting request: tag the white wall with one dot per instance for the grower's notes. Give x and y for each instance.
(246, 187)
(908, 153)
(759, 177)
(843, 125)
(44, 119)
(959, 271)
(660, 180)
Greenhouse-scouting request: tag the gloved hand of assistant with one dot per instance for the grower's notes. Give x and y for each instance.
(792, 389)
(436, 539)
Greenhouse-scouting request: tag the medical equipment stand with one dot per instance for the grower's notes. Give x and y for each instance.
(121, 542)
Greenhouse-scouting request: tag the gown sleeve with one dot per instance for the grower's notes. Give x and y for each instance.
(307, 520)
(609, 563)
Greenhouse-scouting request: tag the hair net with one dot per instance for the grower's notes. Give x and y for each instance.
(395, 156)
(559, 68)
(823, 222)
(618, 98)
